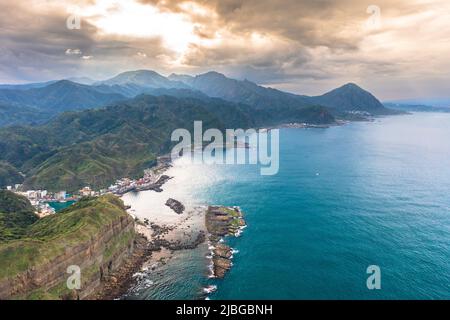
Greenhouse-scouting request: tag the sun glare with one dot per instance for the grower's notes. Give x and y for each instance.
(132, 19)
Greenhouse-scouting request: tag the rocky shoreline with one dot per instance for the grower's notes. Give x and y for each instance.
(117, 284)
(148, 247)
(156, 244)
(195, 226)
(222, 222)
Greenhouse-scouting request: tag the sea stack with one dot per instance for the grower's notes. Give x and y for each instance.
(175, 205)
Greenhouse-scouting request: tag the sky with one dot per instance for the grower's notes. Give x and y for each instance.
(396, 49)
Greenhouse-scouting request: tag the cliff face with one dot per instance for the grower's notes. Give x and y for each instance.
(96, 235)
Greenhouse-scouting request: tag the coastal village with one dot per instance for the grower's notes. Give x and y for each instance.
(203, 223)
(44, 200)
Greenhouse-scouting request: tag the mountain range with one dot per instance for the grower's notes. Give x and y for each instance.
(48, 99)
(65, 135)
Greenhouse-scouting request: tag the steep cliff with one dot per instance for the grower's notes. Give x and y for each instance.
(96, 235)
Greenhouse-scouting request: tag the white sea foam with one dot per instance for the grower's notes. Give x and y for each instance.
(138, 275)
(210, 289)
(240, 231)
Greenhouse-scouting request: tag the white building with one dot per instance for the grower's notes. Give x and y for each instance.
(62, 195)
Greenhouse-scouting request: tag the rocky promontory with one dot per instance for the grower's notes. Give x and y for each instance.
(222, 222)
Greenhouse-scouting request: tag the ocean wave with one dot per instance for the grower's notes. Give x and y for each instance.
(139, 275)
(239, 231)
(211, 270)
(210, 289)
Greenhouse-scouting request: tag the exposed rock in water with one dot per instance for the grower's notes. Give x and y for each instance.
(176, 245)
(221, 222)
(223, 251)
(175, 205)
(221, 266)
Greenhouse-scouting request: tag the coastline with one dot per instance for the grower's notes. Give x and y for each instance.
(179, 225)
(186, 229)
(161, 237)
(164, 231)
(117, 284)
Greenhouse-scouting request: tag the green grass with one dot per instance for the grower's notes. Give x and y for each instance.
(52, 236)
(231, 212)
(16, 215)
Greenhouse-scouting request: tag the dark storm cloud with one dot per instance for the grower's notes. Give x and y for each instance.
(34, 45)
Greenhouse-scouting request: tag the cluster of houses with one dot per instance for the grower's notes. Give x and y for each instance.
(125, 185)
(150, 177)
(40, 199)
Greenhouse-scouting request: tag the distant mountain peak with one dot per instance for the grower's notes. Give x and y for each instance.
(180, 77)
(144, 78)
(351, 97)
(63, 83)
(136, 74)
(82, 80)
(213, 74)
(351, 85)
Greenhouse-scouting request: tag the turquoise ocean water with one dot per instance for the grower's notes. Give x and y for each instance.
(368, 193)
(58, 206)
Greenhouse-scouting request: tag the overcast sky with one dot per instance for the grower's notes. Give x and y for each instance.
(394, 48)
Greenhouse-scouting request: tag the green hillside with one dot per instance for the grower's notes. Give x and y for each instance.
(49, 236)
(95, 147)
(16, 215)
(9, 174)
(47, 239)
